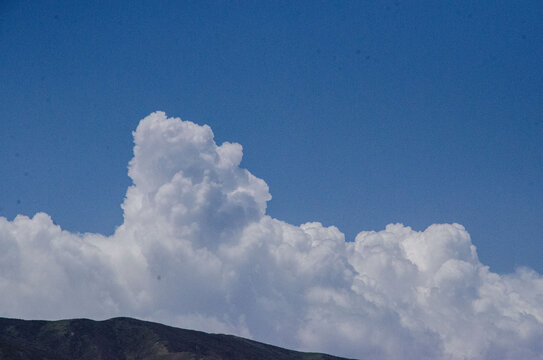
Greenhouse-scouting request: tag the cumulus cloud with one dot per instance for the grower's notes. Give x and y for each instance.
(197, 250)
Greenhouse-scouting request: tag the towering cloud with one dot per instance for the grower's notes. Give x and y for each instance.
(197, 250)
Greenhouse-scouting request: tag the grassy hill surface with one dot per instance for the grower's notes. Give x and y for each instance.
(130, 339)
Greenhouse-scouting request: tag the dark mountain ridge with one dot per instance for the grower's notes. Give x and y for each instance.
(129, 339)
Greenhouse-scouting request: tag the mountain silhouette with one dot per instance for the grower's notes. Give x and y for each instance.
(129, 339)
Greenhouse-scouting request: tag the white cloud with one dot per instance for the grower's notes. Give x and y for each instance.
(197, 250)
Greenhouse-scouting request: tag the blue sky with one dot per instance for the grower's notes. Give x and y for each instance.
(356, 114)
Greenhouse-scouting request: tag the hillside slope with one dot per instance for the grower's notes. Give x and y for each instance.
(130, 339)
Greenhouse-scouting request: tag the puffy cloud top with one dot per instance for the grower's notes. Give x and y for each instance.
(197, 250)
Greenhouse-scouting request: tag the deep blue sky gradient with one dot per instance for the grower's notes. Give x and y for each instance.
(356, 114)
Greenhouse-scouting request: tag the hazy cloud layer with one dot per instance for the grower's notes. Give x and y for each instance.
(197, 250)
